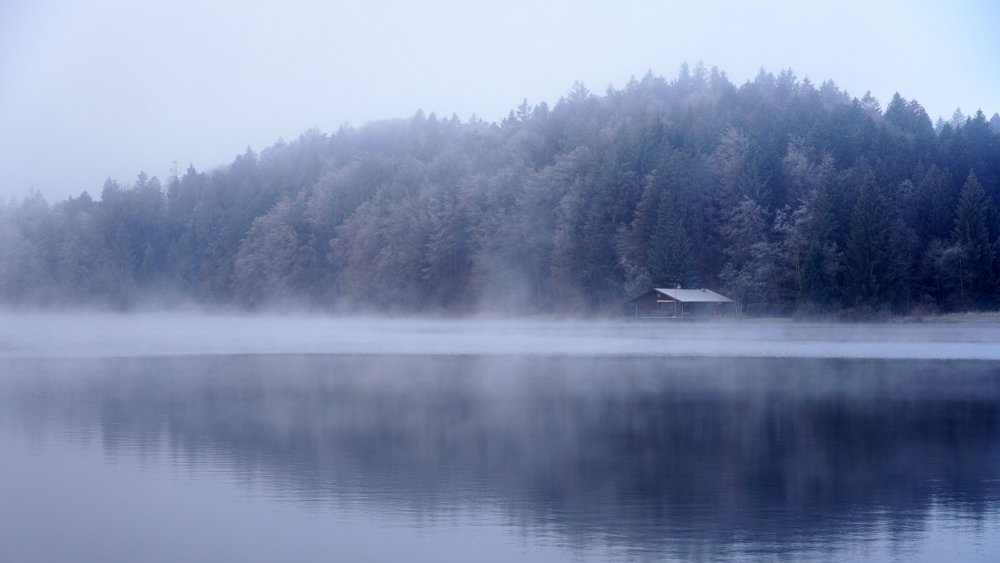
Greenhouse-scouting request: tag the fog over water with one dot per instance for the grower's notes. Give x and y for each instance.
(189, 436)
(158, 334)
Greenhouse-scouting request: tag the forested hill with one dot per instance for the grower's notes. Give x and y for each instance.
(784, 195)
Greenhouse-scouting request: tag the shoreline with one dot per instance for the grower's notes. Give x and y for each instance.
(185, 334)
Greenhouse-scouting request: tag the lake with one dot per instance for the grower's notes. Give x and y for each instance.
(502, 454)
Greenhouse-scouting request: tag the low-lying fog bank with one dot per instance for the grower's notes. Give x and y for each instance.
(91, 335)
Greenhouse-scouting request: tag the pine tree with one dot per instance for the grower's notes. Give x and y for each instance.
(669, 258)
(869, 259)
(813, 244)
(748, 254)
(972, 235)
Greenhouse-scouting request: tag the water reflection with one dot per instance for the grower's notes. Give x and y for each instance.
(686, 458)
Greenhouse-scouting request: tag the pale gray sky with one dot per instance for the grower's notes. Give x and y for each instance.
(98, 88)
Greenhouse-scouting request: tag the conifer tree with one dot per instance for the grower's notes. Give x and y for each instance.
(669, 259)
(972, 235)
(869, 259)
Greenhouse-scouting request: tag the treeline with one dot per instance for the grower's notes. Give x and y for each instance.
(786, 196)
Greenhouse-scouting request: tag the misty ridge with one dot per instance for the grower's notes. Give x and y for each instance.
(788, 197)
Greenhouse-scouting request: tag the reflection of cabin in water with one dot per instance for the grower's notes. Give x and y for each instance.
(663, 303)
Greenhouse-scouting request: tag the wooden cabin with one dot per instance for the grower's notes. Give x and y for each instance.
(663, 303)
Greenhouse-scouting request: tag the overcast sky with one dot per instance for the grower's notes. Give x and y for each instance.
(97, 88)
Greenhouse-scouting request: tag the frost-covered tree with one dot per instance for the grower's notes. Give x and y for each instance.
(274, 259)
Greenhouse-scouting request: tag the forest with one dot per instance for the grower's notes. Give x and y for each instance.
(791, 198)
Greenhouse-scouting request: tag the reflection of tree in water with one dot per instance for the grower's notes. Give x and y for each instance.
(658, 454)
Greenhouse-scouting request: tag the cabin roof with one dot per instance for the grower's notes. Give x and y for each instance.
(690, 295)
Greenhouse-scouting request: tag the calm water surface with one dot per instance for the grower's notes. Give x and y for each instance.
(436, 458)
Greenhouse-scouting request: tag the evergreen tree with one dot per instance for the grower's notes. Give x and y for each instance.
(972, 235)
(869, 257)
(748, 264)
(669, 258)
(814, 240)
